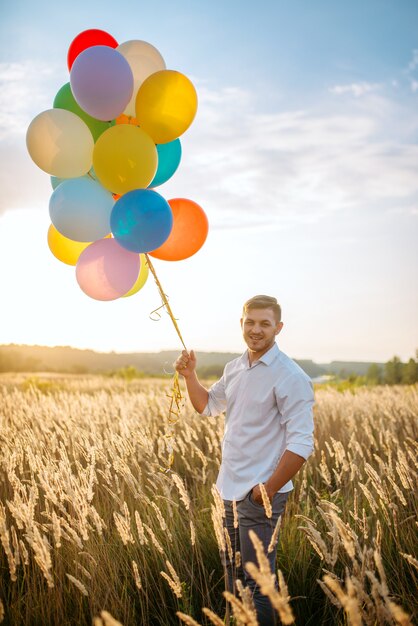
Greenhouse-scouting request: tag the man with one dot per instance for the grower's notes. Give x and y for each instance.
(268, 401)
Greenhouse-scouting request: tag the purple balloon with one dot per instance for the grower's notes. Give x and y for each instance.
(102, 82)
(106, 271)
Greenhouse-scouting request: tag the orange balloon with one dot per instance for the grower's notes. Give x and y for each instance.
(190, 229)
(126, 119)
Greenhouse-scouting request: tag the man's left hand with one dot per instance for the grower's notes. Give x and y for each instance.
(256, 495)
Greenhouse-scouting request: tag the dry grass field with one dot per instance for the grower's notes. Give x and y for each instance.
(93, 532)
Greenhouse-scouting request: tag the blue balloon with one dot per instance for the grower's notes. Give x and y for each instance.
(141, 220)
(169, 155)
(80, 209)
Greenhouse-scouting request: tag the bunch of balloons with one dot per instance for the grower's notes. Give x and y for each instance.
(110, 139)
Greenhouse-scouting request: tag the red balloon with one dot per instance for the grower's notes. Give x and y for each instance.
(86, 39)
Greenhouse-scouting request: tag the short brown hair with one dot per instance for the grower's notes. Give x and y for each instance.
(263, 302)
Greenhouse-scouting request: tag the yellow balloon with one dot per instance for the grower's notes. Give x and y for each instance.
(142, 277)
(166, 104)
(125, 158)
(64, 249)
(60, 143)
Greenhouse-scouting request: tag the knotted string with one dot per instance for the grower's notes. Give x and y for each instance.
(175, 396)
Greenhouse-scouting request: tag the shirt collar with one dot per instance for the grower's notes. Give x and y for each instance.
(267, 358)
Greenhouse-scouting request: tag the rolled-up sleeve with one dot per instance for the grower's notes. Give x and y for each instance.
(217, 399)
(295, 400)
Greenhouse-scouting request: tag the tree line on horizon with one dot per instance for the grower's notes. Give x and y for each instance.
(67, 360)
(394, 372)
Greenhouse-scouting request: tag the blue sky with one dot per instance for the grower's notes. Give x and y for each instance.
(298, 45)
(303, 154)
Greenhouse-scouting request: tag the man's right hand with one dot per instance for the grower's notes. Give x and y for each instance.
(186, 363)
(186, 366)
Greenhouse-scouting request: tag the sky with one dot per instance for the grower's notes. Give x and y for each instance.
(303, 154)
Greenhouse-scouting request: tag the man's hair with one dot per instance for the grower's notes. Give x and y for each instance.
(263, 302)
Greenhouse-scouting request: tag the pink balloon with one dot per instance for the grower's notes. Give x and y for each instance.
(102, 82)
(106, 271)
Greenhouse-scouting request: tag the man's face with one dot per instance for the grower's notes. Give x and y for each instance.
(259, 329)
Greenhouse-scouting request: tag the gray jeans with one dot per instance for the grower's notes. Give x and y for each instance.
(251, 516)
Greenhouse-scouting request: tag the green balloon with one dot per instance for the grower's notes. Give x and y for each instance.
(65, 100)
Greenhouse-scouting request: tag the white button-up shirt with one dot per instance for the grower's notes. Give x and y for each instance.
(268, 410)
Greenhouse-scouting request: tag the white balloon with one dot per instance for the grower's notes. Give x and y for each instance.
(60, 143)
(144, 60)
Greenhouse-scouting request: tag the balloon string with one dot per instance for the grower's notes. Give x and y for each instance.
(165, 301)
(175, 396)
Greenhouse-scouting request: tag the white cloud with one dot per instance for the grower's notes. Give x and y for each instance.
(26, 89)
(413, 64)
(410, 70)
(250, 169)
(355, 89)
(281, 169)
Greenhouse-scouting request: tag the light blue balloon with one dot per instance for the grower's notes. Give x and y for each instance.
(141, 220)
(80, 209)
(169, 155)
(55, 181)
